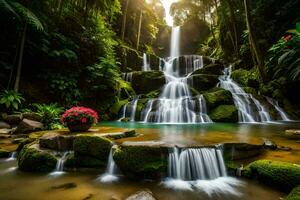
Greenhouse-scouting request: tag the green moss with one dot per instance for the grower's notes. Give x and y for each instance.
(224, 113)
(215, 69)
(141, 161)
(93, 146)
(202, 82)
(83, 161)
(4, 153)
(33, 159)
(24, 142)
(282, 175)
(245, 78)
(218, 97)
(145, 82)
(126, 90)
(294, 194)
(115, 109)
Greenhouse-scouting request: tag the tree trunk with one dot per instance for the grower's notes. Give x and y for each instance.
(254, 43)
(124, 20)
(139, 30)
(233, 21)
(20, 60)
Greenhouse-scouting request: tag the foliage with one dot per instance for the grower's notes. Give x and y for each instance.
(294, 194)
(11, 100)
(79, 116)
(50, 115)
(284, 56)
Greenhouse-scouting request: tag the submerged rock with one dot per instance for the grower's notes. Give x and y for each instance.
(64, 186)
(27, 126)
(224, 113)
(33, 159)
(142, 195)
(268, 144)
(285, 176)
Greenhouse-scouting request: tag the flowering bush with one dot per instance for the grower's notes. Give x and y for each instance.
(79, 118)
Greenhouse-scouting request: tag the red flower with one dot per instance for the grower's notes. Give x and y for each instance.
(287, 38)
(84, 112)
(83, 120)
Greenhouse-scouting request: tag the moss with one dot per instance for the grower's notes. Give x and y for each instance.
(23, 143)
(218, 97)
(294, 194)
(4, 153)
(73, 161)
(141, 161)
(282, 175)
(224, 113)
(126, 90)
(145, 82)
(115, 109)
(202, 82)
(215, 69)
(245, 78)
(33, 159)
(93, 146)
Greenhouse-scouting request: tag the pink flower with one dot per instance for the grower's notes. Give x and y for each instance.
(83, 120)
(287, 38)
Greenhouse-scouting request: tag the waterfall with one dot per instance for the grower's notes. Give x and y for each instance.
(146, 64)
(60, 164)
(13, 156)
(250, 109)
(127, 77)
(129, 109)
(111, 168)
(196, 164)
(280, 110)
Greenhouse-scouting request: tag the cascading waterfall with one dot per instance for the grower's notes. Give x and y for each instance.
(146, 64)
(196, 164)
(280, 110)
(60, 164)
(250, 109)
(129, 110)
(13, 156)
(111, 169)
(127, 77)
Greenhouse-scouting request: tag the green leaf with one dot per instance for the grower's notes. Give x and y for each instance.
(298, 26)
(15, 105)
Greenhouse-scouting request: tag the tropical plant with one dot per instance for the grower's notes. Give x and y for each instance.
(79, 118)
(11, 100)
(50, 115)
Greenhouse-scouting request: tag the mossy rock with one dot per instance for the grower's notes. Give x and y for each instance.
(202, 82)
(126, 90)
(23, 143)
(4, 153)
(245, 77)
(241, 151)
(117, 107)
(294, 194)
(215, 69)
(92, 145)
(285, 176)
(224, 113)
(73, 161)
(218, 97)
(144, 82)
(141, 161)
(33, 159)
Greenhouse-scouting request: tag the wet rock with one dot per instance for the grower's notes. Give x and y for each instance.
(142, 195)
(268, 144)
(27, 126)
(6, 131)
(216, 69)
(218, 97)
(224, 113)
(4, 125)
(239, 151)
(284, 148)
(145, 82)
(119, 135)
(17, 140)
(4, 153)
(14, 119)
(293, 134)
(89, 196)
(56, 141)
(202, 82)
(64, 186)
(32, 116)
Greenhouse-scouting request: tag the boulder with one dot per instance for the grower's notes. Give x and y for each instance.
(56, 141)
(6, 131)
(215, 69)
(33, 159)
(32, 116)
(218, 97)
(282, 175)
(80, 161)
(268, 144)
(245, 78)
(293, 134)
(119, 135)
(144, 82)
(4, 153)
(202, 82)
(240, 151)
(141, 195)
(14, 119)
(142, 159)
(294, 194)
(27, 126)
(4, 125)
(224, 113)
(92, 145)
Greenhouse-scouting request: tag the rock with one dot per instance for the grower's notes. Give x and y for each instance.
(27, 126)
(33, 159)
(142, 159)
(14, 119)
(240, 151)
(282, 175)
(294, 194)
(293, 134)
(268, 144)
(56, 141)
(142, 195)
(224, 113)
(79, 161)
(284, 148)
(64, 186)
(4, 136)
(17, 140)
(4, 125)
(119, 135)
(202, 82)
(245, 78)
(89, 196)
(5, 131)
(32, 116)
(4, 153)
(145, 82)
(218, 97)
(215, 69)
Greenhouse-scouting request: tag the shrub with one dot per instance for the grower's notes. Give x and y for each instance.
(11, 99)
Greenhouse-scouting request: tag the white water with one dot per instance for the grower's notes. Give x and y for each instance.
(146, 64)
(250, 109)
(110, 173)
(127, 77)
(13, 156)
(280, 111)
(129, 109)
(60, 164)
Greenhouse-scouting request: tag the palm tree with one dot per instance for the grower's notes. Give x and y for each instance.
(26, 17)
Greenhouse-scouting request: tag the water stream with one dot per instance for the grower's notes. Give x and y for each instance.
(111, 169)
(59, 170)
